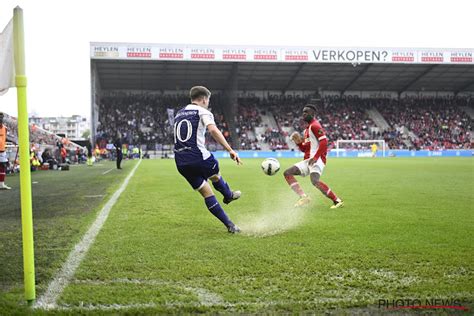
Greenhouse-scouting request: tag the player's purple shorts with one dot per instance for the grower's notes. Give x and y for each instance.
(198, 173)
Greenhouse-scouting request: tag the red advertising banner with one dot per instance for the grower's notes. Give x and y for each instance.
(139, 52)
(296, 55)
(219, 53)
(432, 57)
(265, 54)
(461, 57)
(234, 54)
(203, 53)
(406, 57)
(171, 53)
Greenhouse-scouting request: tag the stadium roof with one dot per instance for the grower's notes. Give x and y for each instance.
(176, 75)
(135, 66)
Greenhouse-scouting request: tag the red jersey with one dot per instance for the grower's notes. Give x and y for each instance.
(315, 143)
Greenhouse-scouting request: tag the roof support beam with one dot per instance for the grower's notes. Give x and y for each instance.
(230, 97)
(412, 82)
(292, 79)
(232, 82)
(360, 74)
(249, 77)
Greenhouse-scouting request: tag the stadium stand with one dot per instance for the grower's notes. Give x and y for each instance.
(343, 118)
(143, 119)
(43, 141)
(246, 121)
(37, 135)
(432, 123)
(413, 123)
(416, 123)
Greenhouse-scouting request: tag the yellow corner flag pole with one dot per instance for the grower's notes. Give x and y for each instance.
(24, 153)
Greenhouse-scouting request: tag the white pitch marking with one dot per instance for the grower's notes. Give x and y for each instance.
(61, 280)
(205, 297)
(105, 307)
(105, 172)
(263, 304)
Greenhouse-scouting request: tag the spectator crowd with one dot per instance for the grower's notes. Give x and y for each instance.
(436, 123)
(414, 123)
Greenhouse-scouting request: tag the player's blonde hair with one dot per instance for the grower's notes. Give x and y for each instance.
(198, 92)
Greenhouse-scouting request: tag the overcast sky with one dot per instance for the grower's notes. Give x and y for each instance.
(58, 33)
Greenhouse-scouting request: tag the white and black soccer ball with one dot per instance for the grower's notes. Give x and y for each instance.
(270, 166)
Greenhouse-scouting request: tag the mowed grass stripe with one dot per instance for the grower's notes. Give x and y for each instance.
(405, 232)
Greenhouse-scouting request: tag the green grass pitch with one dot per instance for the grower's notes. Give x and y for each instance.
(406, 232)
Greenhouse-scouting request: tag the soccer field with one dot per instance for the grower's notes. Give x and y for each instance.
(406, 232)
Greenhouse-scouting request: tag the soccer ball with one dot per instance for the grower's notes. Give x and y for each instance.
(270, 166)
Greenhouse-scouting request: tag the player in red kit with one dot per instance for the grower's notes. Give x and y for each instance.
(314, 145)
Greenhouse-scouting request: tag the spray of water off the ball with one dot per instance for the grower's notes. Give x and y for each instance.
(272, 217)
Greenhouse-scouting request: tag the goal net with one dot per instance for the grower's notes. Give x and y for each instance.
(361, 148)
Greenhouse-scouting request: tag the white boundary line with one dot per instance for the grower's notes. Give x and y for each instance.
(62, 278)
(94, 196)
(105, 172)
(227, 306)
(205, 297)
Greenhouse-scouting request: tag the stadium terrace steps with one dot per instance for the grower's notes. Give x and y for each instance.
(268, 121)
(251, 135)
(259, 131)
(378, 119)
(410, 136)
(408, 143)
(289, 131)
